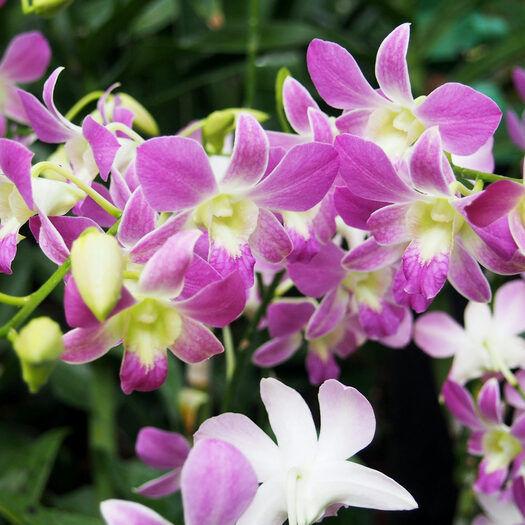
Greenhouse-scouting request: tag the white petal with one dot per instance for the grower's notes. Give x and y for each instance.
(347, 421)
(291, 422)
(243, 433)
(269, 505)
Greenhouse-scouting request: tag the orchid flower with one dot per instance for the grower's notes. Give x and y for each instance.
(156, 314)
(498, 511)
(90, 148)
(25, 60)
(498, 443)
(304, 474)
(391, 117)
(421, 217)
(230, 198)
(490, 342)
(217, 483)
(22, 196)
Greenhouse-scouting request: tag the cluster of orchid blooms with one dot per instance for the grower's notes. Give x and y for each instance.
(367, 215)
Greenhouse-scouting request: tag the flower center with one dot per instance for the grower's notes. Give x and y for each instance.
(500, 448)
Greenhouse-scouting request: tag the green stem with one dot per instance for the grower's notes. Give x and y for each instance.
(251, 52)
(82, 103)
(101, 201)
(191, 129)
(35, 299)
(14, 301)
(227, 341)
(102, 428)
(480, 175)
(247, 343)
(118, 126)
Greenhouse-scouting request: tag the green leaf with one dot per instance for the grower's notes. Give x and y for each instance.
(26, 468)
(279, 82)
(70, 384)
(44, 516)
(210, 11)
(155, 16)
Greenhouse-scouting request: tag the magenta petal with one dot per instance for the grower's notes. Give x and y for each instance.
(515, 129)
(138, 219)
(90, 209)
(47, 127)
(15, 163)
(509, 305)
(518, 486)
(7, 250)
(161, 486)
(83, 345)
(164, 273)
(270, 241)
(389, 224)
(383, 322)
(321, 127)
(12, 105)
(147, 245)
(437, 334)
(287, 317)
(300, 180)
(425, 277)
(174, 172)
(119, 187)
(50, 240)
(322, 273)
(161, 449)
(460, 403)
(297, 101)
(489, 401)
(426, 164)
(195, 343)
(26, 58)
(250, 153)
(329, 314)
(465, 117)
(518, 427)
(496, 201)
(135, 375)
(354, 122)
(218, 304)
(277, 350)
(338, 78)
(217, 483)
(354, 210)
(517, 228)
(518, 75)
(466, 276)
(370, 256)
(280, 143)
(79, 315)
(403, 334)
(120, 512)
(489, 482)
(368, 172)
(103, 143)
(391, 66)
(321, 369)
(225, 263)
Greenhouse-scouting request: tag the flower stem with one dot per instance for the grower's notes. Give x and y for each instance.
(467, 173)
(246, 344)
(82, 103)
(229, 351)
(251, 52)
(14, 301)
(35, 299)
(101, 201)
(118, 126)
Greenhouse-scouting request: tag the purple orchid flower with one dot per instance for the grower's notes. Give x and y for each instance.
(304, 475)
(421, 218)
(22, 196)
(25, 60)
(217, 484)
(491, 438)
(90, 148)
(157, 312)
(489, 342)
(391, 117)
(499, 511)
(232, 200)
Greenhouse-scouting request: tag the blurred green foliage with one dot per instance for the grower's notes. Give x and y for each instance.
(72, 445)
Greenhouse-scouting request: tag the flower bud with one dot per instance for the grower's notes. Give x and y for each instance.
(44, 7)
(143, 118)
(97, 265)
(38, 345)
(191, 402)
